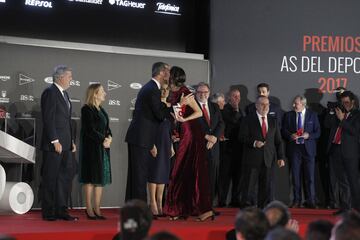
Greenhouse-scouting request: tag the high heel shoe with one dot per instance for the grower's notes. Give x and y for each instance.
(90, 217)
(211, 217)
(176, 218)
(100, 217)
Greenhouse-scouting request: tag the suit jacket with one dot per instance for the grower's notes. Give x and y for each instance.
(274, 112)
(311, 126)
(216, 127)
(250, 131)
(350, 133)
(232, 121)
(149, 112)
(56, 118)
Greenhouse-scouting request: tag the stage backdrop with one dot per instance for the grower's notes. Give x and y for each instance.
(25, 72)
(298, 47)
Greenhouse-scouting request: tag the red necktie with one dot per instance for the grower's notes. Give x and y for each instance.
(206, 115)
(263, 127)
(337, 138)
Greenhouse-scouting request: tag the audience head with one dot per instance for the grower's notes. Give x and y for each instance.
(262, 105)
(319, 230)
(234, 97)
(177, 77)
(163, 236)
(95, 95)
(161, 72)
(277, 214)
(299, 103)
(62, 76)
(347, 228)
(219, 99)
(251, 223)
(263, 89)
(202, 92)
(348, 100)
(135, 220)
(281, 233)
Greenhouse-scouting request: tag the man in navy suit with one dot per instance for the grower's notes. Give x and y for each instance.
(301, 129)
(263, 147)
(141, 135)
(213, 128)
(57, 144)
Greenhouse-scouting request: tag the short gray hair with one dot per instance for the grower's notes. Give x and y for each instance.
(202, 84)
(59, 71)
(302, 99)
(214, 98)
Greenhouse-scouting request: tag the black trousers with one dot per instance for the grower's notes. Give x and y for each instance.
(138, 161)
(346, 172)
(57, 174)
(263, 181)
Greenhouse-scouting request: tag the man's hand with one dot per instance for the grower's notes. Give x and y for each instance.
(294, 136)
(153, 151)
(58, 147)
(107, 142)
(209, 145)
(280, 163)
(339, 114)
(211, 138)
(259, 144)
(292, 225)
(306, 135)
(73, 148)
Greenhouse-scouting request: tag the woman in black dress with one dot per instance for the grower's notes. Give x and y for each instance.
(159, 170)
(95, 140)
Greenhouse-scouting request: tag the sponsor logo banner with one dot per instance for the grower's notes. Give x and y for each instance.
(112, 85)
(167, 8)
(114, 119)
(72, 82)
(38, 3)
(99, 2)
(128, 4)
(3, 98)
(23, 79)
(113, 102)
(5, 78)
(27, 98)
(135, 85)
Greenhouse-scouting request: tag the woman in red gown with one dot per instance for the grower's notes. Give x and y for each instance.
(189, 190)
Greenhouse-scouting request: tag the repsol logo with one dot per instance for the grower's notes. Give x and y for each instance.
(38, 3)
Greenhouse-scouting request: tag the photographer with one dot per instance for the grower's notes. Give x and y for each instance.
(343, 145)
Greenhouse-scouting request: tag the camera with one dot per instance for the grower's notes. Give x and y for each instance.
(332, 105)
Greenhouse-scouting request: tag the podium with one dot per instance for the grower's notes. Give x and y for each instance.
(15, 196)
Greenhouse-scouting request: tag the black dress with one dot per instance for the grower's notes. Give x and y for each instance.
(159, 169)
(94, 159)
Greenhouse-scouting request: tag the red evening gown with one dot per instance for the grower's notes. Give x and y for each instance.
(189, 191)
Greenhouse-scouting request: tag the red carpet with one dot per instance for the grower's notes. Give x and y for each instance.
(30, 226)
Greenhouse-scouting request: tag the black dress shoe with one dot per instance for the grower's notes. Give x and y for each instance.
(295, 205)
(216, 213)
(67, 217)
(311, 206)
(339, 212)
(49, 218)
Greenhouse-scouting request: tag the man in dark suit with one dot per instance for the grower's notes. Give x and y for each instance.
(301, 129)
(57, 144)
(263, 146)
(263, 89)
(213, 129)
(231, 160)
(141, 135)
(343, 149)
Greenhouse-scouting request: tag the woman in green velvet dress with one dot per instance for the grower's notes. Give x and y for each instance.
(95, 140)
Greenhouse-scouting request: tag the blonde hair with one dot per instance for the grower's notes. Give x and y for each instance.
(90, 94)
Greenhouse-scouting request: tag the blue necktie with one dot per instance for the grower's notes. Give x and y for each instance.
(299, 126)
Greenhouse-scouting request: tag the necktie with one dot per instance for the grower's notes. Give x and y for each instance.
(337, 138)
(263, 127)
(206, 114)
(299, 125)
(299, 128)
(66, 98)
